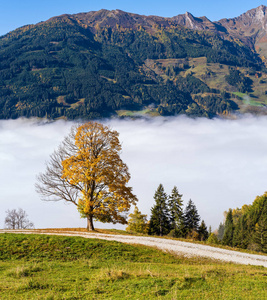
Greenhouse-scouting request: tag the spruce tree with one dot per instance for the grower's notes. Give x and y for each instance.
(260, 235)
(203, 231)
(191, 218)
(159, 221)
(175, 205)
(241, 238)
(228, 229)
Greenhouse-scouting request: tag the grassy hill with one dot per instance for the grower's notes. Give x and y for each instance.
(56, 267)
(109, 63)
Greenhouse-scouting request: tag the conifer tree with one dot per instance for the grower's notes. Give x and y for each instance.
(203, 231)
(228, 229)
(191, 218)
(260, 236)
(241, 238)
(175, 205)
(159, 221)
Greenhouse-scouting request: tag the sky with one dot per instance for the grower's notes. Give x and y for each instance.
(17, 13)
(218, 163)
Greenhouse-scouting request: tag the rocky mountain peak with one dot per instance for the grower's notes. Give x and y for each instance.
(251, 19)
(195, 23)
(251, 28)
(190, 21)
(255, 16)
(260, 15)
(260, 12)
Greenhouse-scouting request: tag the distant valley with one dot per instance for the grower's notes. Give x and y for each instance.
(113, 63)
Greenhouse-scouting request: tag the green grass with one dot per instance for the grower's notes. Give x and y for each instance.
(128, 113)
(57, 267)
(239, 94)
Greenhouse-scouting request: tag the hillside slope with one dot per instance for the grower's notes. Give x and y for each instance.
(61, 267)
(173, 246)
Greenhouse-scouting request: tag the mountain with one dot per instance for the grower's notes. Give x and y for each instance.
(105, 63)
(250, 27)
(202, 23)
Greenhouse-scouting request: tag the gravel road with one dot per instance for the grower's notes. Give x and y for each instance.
(185, 248)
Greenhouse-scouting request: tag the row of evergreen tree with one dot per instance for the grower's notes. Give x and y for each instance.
(244, 227)
(168, 217)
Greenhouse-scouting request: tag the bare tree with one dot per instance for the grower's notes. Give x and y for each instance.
(17, 219)
(51, 185)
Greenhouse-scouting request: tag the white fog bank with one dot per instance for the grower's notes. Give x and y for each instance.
(217, 163)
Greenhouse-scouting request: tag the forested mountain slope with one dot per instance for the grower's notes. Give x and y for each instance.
(105, 63)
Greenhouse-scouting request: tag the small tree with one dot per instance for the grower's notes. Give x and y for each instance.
(191, 218)
(210, 230)
(87, 170)
(17, 219)
(203, 231)
(175, 205)
(212, 239)
(228, 229)
(137, 222)
(159, 221)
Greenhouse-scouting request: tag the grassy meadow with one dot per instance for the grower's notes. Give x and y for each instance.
(58, 267)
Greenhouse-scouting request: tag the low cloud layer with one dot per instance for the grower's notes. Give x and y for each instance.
(217, 163)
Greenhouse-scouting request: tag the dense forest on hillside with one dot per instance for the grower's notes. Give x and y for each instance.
(61, 68)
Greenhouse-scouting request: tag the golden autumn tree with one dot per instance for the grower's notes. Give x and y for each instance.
(87, 171)
(137, 222)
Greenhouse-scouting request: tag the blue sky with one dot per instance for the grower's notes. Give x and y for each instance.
(16, 13)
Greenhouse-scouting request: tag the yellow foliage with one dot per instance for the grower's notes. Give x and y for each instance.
(137, 222)
(99, 173)
(97, 27)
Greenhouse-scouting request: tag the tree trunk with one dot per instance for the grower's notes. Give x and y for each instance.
(90, 225)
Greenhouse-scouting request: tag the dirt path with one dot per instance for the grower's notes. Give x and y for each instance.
(185, 248)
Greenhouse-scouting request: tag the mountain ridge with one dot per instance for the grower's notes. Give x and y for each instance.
(244, 27)
(99, 63)
(186, 20)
